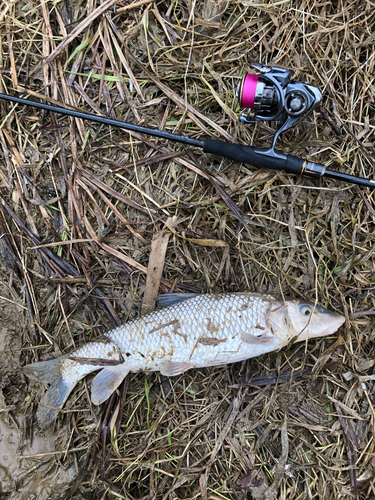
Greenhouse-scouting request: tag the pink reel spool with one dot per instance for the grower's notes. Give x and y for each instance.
(247, 91)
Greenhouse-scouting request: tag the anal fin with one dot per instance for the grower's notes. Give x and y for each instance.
(106, 382)
(173, 368)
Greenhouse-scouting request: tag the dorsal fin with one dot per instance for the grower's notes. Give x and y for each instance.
(170, 299)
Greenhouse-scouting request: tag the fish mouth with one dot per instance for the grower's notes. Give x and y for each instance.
(335, 326)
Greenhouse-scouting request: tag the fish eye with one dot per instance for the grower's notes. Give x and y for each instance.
(306, 310)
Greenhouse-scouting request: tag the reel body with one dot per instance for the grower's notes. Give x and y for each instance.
(273, 96)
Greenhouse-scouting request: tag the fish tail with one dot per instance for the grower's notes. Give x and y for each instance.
(49, 372)
(53, 400)
(44, 372)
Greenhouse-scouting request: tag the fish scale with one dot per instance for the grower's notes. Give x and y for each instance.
(175, 332)
(189, 331)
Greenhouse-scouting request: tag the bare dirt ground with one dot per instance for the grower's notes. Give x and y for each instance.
(80, 204)
(40, 476)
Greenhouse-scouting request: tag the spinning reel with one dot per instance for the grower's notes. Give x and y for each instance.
(273, 96)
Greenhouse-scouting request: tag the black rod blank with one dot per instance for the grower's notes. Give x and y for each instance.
(340, 176)
(106, 121)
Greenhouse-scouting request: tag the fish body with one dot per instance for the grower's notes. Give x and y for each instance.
(189, 331)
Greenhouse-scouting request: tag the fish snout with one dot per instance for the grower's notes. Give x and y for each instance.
(334, 321)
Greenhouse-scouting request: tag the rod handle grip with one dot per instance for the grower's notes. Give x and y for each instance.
(254, 156)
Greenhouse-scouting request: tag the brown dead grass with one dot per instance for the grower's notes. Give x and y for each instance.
(100, 195)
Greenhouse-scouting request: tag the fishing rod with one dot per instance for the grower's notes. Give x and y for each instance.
(272, 96)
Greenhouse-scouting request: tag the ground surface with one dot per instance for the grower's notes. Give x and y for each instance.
(97, 196)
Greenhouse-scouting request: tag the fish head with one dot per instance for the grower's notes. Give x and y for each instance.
(300, 319)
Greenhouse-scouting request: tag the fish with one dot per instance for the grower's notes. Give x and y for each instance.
(188, 330)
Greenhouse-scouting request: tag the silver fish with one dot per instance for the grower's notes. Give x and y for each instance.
(189, 331)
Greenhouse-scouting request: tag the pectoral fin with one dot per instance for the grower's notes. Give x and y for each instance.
(172, 368)
(106, 382)
(252, 339)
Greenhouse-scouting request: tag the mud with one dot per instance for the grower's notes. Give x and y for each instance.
(11, 319)
(36, 477)
(51, 474)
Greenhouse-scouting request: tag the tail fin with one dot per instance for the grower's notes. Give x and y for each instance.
(62, 375)
(44, 372)
(53, 399)
(49, 372)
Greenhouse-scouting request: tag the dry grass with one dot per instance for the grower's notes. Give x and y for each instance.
(98, 195)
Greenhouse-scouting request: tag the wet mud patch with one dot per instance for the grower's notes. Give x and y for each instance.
(10, 345)
(45, 473)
